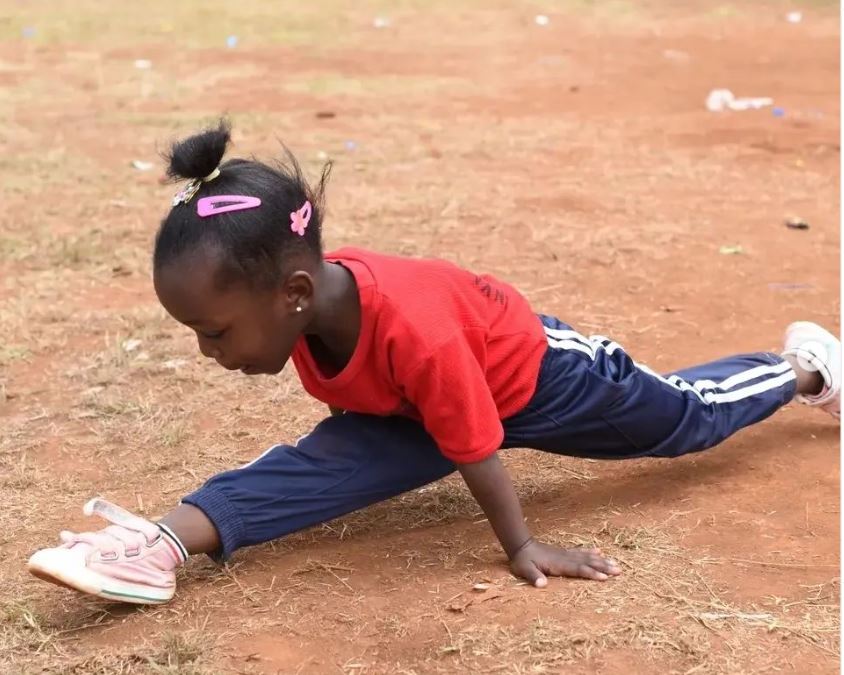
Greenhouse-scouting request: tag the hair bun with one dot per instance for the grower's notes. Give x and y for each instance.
(198, 155)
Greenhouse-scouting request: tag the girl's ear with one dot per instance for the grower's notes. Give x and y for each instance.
(298, 292)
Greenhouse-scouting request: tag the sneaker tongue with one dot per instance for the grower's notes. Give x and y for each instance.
(119, 516)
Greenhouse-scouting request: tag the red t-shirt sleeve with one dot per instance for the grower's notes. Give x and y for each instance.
(448, 387)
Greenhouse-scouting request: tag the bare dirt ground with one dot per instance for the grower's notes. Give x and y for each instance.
(574, 159)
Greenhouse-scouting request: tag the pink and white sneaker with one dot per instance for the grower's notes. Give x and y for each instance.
(819, 350)
(131, 560)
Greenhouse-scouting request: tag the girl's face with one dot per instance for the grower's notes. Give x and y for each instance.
(242, 328)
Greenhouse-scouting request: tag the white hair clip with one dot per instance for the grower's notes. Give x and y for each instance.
(184, 195)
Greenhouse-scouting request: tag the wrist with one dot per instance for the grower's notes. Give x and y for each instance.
(527, 542)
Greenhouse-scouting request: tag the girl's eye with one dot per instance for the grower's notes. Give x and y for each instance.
(213, 336)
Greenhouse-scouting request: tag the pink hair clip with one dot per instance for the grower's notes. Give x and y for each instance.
(211, 206)
(299, 219)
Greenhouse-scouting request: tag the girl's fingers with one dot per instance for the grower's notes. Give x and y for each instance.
(605, 565)
(582, 563)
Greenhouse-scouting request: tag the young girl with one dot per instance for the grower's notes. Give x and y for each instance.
(426, 367)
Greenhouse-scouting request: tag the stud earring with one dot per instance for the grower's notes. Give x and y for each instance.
(298, 308)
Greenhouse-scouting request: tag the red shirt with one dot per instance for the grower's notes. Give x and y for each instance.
(457, 351)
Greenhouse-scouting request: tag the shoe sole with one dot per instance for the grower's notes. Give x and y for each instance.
(92, 584)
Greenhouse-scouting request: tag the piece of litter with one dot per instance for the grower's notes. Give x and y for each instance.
(28, 32)
(541, 20)
(325, 114)
(131, 344)
(796, 224)
(730, 250)
(481, 587)
(719, 100)
(142, 356)
(778, 112)
(754, 103)
(174, 364)
(351, 145)
(141, 165)
(143, 64)
(381, 22)
(794, 17)
(322, 155)
(231, 41)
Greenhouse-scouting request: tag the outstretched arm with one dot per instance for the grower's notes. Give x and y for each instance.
(493, 489)
(450, 391)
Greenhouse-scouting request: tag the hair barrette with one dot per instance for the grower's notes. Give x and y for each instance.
(299, 219)
(211, 206)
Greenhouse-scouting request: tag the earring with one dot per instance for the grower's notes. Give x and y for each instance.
(298, 308)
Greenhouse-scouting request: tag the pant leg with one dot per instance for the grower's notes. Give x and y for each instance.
(347, 462)
(593, 400)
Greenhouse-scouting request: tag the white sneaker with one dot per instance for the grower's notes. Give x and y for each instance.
(819, 350)
(131, 560)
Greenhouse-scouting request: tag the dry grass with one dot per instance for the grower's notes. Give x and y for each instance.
(24, 629)
(30, 642)
(663, 608)
(134, 423)
(19, 473)
(547, 647)
(173, 654)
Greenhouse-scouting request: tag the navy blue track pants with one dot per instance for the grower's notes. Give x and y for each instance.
(591, 400)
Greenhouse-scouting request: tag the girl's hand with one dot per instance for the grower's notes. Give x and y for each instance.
(534, 561)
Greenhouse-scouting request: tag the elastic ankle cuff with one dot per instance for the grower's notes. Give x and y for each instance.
(225, 518)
